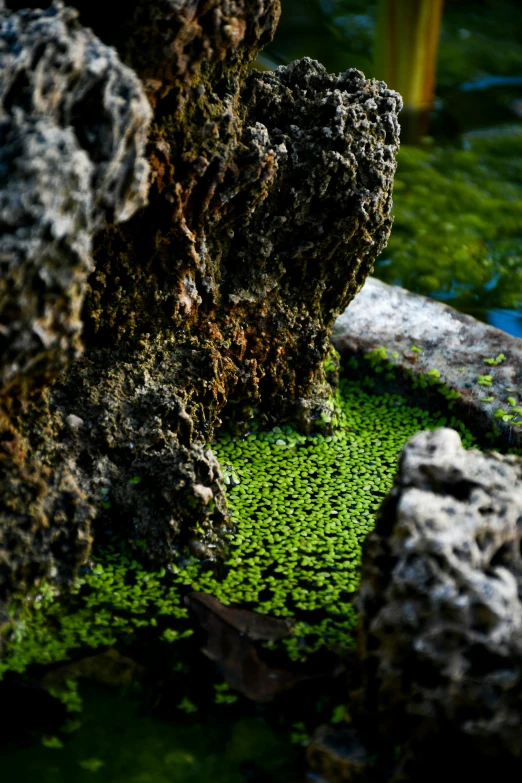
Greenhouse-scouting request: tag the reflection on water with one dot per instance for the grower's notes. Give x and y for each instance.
(458, 197)
(507, 320)
(457, 234)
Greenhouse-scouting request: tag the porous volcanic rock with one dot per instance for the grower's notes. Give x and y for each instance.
(269, 200)
(73, 126)
(441, 607)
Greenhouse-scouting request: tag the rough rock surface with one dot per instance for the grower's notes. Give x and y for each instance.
(335, 754)
(485, 393)
(73, 125)
(441, 606)
(269, 200)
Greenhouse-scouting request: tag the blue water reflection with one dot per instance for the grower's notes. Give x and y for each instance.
(507, 320)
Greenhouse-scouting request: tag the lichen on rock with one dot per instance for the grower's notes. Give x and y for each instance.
(440, 603)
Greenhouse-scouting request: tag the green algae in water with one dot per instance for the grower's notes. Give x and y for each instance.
(122, 745)
(302, 506)
(457, 230)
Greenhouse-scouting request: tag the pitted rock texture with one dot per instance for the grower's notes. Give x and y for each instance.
(173, 45)
(441, 605)
(269, 200)
(330, 144)
(73, 125)
(264, 201)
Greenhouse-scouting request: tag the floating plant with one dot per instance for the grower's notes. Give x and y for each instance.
(303, 506)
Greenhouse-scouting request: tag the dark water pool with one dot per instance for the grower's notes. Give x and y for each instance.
(117, 742)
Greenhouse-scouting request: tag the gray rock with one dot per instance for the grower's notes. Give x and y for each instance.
(73, 125)
(270, 198)
(73, 422)
(440, 602)
(312, 131)
(484, 391)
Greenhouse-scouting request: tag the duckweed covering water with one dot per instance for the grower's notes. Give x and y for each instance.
(302, 506)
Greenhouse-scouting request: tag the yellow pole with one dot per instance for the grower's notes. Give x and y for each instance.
(406, 45)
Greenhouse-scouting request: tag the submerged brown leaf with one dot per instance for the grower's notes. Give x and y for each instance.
(108, 667)
(230, 643)
(254, 625)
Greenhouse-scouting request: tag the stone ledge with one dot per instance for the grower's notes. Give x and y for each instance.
(423, 348)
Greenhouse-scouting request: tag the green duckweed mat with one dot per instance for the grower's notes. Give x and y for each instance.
(302, 506)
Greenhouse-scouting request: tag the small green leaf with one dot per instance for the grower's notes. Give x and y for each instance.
(339, 714)
(187, 706)
(453, 394)
(93, 765)
(52, 742)
(497, 360)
